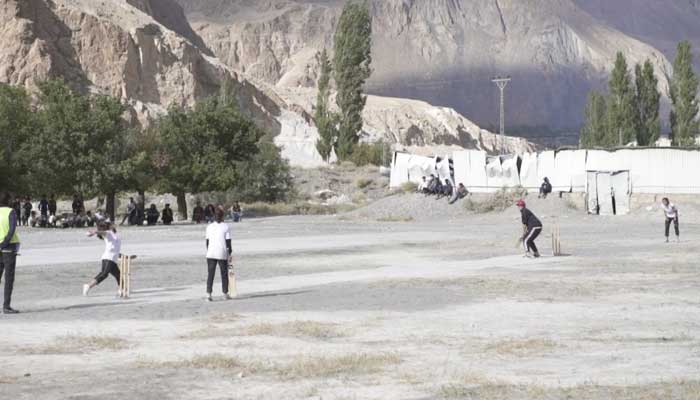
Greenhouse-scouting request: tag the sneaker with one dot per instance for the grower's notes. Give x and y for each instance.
(527, 255)
(536, 255)
(86, 289)
(9, 310)
(209, 297)
(666, 240)
(227, 297)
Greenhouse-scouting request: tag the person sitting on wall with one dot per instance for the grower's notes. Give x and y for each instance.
(460, 193)
(545, 189)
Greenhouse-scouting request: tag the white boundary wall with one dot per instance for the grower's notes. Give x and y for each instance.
(652, 170)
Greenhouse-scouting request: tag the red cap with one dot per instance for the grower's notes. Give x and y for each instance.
(520, 203)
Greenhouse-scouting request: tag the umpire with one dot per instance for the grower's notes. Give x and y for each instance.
(9, 246)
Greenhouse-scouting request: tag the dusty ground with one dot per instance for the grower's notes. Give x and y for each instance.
(352, 308)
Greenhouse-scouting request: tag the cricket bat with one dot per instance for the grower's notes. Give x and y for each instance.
(232, 289)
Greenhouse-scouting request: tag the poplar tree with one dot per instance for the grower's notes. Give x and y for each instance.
(684, 89)
(648, 98)
(324, 119)
(622, 110)
(351, 62)
(594, 131)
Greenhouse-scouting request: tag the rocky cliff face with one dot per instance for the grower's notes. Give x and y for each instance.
(440, 51)
(146, 53)
(114, 48)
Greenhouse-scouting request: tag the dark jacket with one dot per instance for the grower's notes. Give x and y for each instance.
(529, 219)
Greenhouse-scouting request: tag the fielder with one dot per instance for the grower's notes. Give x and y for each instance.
(671, 213)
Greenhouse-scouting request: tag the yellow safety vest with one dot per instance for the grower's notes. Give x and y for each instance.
(5, 225)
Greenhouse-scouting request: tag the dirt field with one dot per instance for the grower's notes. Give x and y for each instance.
(353, 308)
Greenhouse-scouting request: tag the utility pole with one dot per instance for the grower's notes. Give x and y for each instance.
(502, 82)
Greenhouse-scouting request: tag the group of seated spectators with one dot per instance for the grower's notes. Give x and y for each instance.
(434, 186)
(207, 214)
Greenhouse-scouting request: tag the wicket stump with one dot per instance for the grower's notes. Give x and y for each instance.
(556, 240)
(125, 276)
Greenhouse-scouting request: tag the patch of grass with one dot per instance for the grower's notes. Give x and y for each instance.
(305, 367)
(208, 332)
(214, 362)
(359, 198)
(260, 209)
(298, 329)
(499, 390)
(522, 347)
(363, 183)
(73, 344)
(409, 187)
(496, 202)
(393, 218)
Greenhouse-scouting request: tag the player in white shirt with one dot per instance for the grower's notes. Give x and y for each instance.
(218, 239)
(107, 232)
(671, 214)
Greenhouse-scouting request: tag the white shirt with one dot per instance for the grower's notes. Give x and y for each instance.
(113, 246)
(669, 210)
(217, 234)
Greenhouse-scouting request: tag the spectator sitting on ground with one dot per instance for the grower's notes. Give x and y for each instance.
(460, 193)
(545, 189)
(446, 189)
(152, 215)
(167, 215)
(422, 186)
(437, 189)
(33, 219)
(89, 219)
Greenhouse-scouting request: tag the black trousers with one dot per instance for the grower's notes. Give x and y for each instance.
(211, 271)
(8, 261)
(530, 237)
(675, 226)
(108, 267)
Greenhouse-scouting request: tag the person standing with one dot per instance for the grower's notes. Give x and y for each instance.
(236, 212)
(107, 232)
(167, 215)
(52, 205)
(27, 208)
(532, 227)
(671, 214)
(44, 206)
(9, 247)
(130, 209)
(218, 239)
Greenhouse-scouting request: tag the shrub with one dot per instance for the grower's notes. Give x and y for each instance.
(363, 183)
(498, 201)
(371, 153)
(409, 187)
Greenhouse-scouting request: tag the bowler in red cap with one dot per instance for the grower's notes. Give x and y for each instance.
(532, 227)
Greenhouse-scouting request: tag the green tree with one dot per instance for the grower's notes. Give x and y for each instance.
(110, 153)
(622, 110)
(684, 89)
(324, 119)
(648, 103)
(268, 176)
(352, 60)
(204, 149)
(594, 131)
(16, 119)
(61, 153)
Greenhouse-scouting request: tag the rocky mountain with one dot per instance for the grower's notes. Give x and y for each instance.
(660, 23)
(443, 52)
(146, 52)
